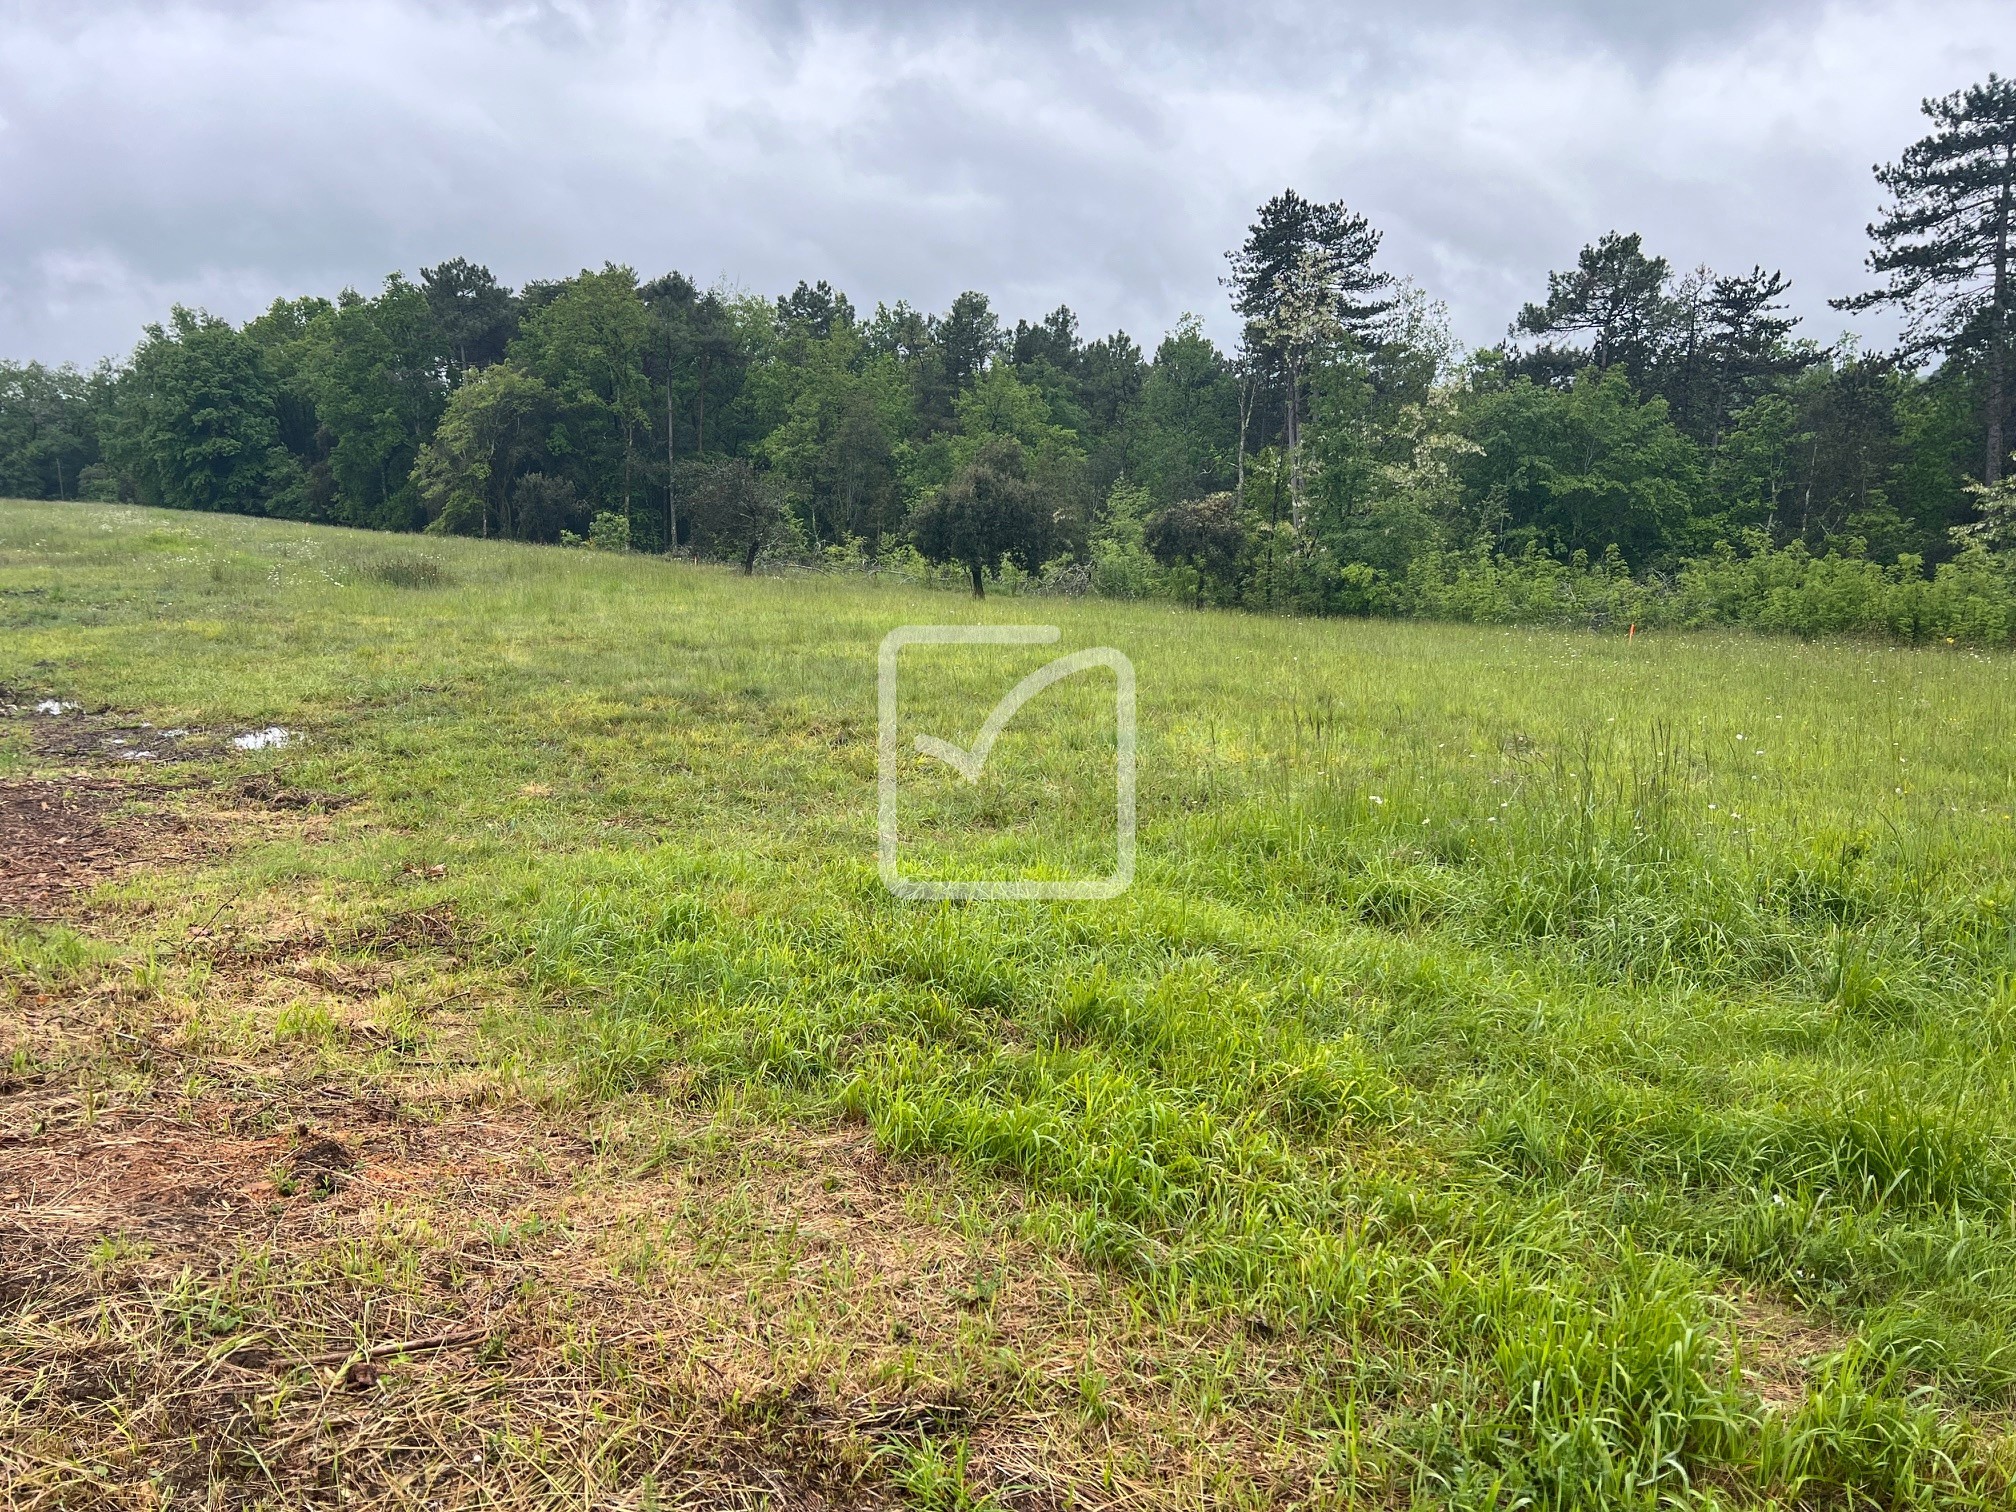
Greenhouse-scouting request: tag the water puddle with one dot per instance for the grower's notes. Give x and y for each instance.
(272, 738)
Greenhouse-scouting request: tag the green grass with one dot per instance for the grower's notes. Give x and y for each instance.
(1518, 1020)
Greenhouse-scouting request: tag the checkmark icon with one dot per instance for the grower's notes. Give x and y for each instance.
(970, 761)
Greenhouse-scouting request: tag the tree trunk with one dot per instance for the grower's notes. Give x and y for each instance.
(1296, 511)
(700, 407)
(671, 477)
(979, 579)
(1998, 336)
(749, 556)
(1245, 417)
(1998, 406)
(1806, 500)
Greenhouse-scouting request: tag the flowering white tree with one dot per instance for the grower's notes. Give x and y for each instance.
(1996, 504)
(1304, 324)
(1304, 280)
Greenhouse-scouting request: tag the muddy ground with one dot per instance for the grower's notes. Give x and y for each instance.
(60, 838)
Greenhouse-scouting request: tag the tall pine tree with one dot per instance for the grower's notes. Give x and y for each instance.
(1304, 280)
(1944, 243)
(1617, 296)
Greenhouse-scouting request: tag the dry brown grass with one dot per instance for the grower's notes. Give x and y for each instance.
(231, 1197)
(701, 1311)
(1780, 1344)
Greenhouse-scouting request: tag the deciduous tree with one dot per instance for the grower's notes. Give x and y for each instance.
(989, 513)
(737, 512)
(193, 424)
(48, 430)
(588, 344)
(491, 433)
(1206, 535)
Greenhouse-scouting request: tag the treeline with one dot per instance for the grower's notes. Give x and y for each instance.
(1647, 443)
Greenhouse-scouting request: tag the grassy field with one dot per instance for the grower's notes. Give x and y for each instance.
(1528, 1069)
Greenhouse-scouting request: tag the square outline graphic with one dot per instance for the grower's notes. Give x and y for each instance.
(887, 752)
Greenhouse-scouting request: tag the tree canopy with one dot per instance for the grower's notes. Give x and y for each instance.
(1639, 415)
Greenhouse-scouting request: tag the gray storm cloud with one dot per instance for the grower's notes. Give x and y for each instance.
(224, 154)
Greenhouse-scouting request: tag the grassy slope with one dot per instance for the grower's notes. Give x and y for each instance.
(1538, 1027)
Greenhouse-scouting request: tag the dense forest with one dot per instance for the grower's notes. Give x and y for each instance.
(1647, 443)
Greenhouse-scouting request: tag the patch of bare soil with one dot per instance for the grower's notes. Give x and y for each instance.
(61, 734)
(73, 736)
(375, 1355)
(273, 1295)
(1780, 1347)
(264, 792)
(60, 838)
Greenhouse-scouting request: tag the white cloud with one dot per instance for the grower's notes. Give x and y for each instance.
(225, 154)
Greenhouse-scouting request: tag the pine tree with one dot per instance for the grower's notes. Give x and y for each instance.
(1750, 345)
(1286, 230)
(1304, 280)
(1617, 296)
(1944, 243)
(476, 315)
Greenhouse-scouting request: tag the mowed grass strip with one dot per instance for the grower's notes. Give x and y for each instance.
(1598, 1052)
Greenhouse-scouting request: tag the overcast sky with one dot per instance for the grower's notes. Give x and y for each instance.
(221, 154)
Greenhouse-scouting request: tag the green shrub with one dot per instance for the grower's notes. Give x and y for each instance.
(609, 532)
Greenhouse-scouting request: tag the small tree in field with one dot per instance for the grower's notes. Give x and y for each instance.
(1207, 535)
(988, 514)
(736, 511)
